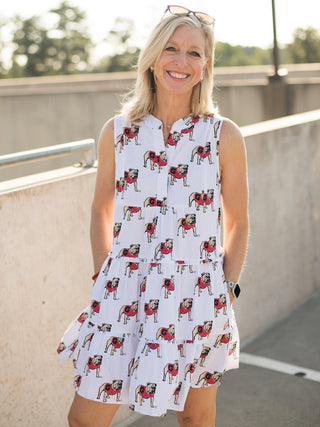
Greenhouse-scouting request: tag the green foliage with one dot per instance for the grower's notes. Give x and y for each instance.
(228, 55)
(72, 43)
(65, 46)
(62, 49)
(305, 46)
(124, 56)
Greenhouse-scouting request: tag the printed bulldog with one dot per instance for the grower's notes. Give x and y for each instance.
(132, 266)
(203, 282)
(120, 185)
(207, 117)
(164, 248)
(208, 378)
(172, 369)
(185, 307)
(202, 153)
(181, 265)
(204, 353)
(176, 393)
(128, 134)
(77, 381)
(222, 339)
(130, 177)
(142, 287)
(173, 139)
(190, 123)
(129, 311)
(111, 286)
(116, 231)
(88, 340)
(202, 199)
(150, 309)
(149, 346)
(150, 229)
(232, 349)
(154, 202)
(158, 160)
(146, 392)
(216, 127)
(82, 318)
(95, 307)
(202, 330)
(104, 327)
(179, 172)
(114, 343)
(208, 247)
(166, 333)
(110, 389)
(153, 265)
(128, 212)
(168, 285)
(131, 252)
(187, 223)
(133, 365)
(220, 303)
(105, 271)
(190, 368)
(93, 364)
(61, 347)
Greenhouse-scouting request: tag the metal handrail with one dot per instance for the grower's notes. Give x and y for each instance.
(86, 145)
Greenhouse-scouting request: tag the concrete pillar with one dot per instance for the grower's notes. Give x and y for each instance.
(276, 100)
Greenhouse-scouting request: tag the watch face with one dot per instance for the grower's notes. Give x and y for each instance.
(236, 290)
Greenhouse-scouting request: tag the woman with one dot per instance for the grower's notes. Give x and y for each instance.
(159, 331)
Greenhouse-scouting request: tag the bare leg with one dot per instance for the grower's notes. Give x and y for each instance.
(200, 408)
(88, 413)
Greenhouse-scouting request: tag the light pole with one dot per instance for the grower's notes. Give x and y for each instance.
(275, 43)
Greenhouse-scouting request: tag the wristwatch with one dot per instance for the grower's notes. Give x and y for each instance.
(234, 287)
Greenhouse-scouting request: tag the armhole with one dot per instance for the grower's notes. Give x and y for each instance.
(216, 132)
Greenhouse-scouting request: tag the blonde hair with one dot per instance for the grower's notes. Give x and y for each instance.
(142, 99)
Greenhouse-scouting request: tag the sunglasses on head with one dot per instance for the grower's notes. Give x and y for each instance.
(183, 11)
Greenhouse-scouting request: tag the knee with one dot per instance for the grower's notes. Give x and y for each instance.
(74, 420)
(196, 420)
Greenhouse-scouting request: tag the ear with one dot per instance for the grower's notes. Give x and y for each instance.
(205, 66)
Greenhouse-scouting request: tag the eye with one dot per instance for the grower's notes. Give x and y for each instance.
(195, 53)
(170, 49)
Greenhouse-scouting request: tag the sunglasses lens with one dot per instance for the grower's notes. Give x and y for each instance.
(203, 17)
(178, 10)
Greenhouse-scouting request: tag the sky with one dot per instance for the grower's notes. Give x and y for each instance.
(244, 22)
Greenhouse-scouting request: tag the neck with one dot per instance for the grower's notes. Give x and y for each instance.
(170, 108)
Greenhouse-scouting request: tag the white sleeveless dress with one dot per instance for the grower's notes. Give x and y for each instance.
(159, 319)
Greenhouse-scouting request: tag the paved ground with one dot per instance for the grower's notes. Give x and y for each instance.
(254, 396)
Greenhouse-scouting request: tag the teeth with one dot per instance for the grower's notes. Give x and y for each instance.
(178, 75)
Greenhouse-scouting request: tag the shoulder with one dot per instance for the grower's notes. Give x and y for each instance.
(232, 146)
(230, 131)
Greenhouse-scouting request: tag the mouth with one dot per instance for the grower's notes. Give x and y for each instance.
(180, 76)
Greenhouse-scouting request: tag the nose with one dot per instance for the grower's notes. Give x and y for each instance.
(181, 59)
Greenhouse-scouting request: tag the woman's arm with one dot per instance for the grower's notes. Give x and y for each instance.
(234, 195)
(101, 227)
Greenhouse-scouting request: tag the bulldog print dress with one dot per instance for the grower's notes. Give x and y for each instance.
(159, 319)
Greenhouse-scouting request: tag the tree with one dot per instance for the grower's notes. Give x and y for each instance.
(228, 55)
(62, 49)
(305, 46)
(125, 54)
(72, 43)
(32, 48)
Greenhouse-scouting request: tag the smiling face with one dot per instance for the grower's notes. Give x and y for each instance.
(182, 62)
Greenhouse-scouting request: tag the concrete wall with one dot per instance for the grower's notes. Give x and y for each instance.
(38, 112)
(46, 261)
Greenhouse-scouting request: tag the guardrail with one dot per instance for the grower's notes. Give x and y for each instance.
(86, 145)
